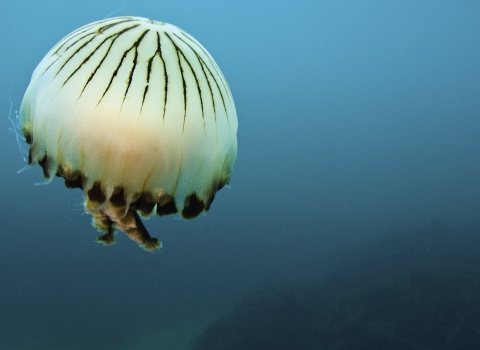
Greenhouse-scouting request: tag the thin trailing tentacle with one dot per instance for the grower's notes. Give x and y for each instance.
(14, 129)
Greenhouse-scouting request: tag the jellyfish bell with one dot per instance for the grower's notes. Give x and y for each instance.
(137, 114)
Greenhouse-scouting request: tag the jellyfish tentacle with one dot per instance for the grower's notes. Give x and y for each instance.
(104, 224)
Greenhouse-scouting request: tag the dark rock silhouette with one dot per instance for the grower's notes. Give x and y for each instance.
(409, 290)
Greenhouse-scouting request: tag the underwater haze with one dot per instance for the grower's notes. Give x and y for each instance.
(352, 218)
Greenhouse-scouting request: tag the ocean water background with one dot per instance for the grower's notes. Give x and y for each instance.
(358, 121)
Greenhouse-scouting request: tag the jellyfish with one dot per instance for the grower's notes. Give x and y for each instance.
(137, 114)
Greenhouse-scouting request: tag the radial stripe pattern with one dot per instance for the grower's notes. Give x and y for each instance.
(69, 57)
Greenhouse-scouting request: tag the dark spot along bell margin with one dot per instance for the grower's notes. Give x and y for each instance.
(145, 202)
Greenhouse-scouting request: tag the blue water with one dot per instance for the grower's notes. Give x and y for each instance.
(356, 186)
